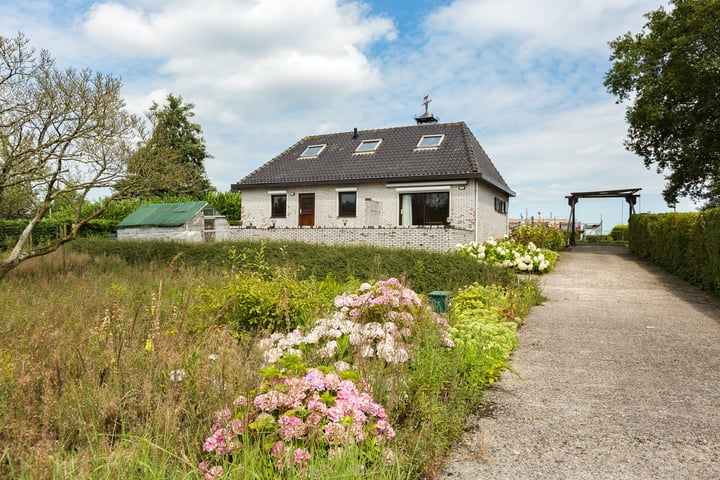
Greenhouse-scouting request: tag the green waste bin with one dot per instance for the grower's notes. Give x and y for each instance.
(440, 300)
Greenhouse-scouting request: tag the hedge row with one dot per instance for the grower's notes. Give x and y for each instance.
(685, 244)
(424, 271)
(50, 229)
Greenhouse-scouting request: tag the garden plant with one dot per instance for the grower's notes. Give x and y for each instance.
(137, 370)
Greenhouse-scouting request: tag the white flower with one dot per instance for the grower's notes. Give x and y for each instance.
(328, 350)
(341, 366)
(177, 376)
(367, 351)
(213, 356)
(273, 355)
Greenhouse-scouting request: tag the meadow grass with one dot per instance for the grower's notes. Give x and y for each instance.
(114, 369)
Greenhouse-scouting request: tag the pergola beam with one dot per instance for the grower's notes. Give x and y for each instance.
(629, 194)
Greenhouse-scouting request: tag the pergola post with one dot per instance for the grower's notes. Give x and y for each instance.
(630, 195)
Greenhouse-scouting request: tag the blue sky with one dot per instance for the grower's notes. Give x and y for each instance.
(526, 76)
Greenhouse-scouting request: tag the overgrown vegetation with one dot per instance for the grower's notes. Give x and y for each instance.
(120, 373)
(422, 270)
(685, 244)
(542, 236)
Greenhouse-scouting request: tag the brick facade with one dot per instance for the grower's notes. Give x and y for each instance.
(377, 220)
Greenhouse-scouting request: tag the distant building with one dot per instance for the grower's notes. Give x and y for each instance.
(186, 221)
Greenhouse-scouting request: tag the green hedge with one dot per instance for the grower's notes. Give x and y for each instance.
(685, 244)
(50, 229)
(425, 271)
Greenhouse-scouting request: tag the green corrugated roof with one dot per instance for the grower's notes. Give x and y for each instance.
(162, 214)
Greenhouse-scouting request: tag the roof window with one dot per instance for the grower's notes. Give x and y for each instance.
(430, 141)
(367, 146)
(313, 150)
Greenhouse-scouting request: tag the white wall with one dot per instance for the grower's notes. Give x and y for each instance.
(377, 205)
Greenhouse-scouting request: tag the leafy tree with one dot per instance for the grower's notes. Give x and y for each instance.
(670, 74)
(228, 204)
(63, 134)
(14, 204)
(171, 161)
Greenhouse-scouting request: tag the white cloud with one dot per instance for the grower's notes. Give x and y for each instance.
(567, 25)
(239, 56)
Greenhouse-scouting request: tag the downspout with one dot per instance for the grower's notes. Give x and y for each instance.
(477, 213)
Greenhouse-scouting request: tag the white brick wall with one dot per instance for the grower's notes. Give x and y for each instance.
(472, 217)
(428, 238)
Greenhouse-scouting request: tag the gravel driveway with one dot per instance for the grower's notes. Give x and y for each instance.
(621, 369)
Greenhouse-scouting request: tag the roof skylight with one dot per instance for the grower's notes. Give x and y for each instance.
(430, 141)
(367, 146)
(313, 150)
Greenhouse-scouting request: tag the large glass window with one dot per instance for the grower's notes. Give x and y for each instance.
(348, 204)
(278, 205)
(432, 208)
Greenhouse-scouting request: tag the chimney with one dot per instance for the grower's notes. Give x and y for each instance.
(355, 134)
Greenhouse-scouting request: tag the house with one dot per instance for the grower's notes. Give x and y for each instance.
(429, 185)
(186, 221)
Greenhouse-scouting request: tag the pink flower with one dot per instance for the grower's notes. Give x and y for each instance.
(277, 449)
(301, 457)
(389, 456)
(291, 427)
(240, 401)
(214, 472)
(335, 413)
(216, 442)
(335, 433)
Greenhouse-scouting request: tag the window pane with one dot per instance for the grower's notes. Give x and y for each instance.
(312, 150)
(347, 204)
(279, 205)
(430, 140)
(436, 208)
(368, 145)
(427, 208)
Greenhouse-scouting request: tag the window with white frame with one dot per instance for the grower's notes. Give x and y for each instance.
(430, 141)
(347, 204)
(368, 146)
(424, 208)
(278, 205)
(313, 150)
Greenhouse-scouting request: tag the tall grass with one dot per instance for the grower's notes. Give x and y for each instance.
(104, 372)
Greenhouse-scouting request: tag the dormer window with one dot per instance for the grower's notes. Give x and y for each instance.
(313, 151)
(368, 146)
(430, 141)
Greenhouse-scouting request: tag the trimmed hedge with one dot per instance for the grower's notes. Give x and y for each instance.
(50, 229)
(424, 271)
(685, 244)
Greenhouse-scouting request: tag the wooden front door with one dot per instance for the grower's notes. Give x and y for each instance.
(307, 210)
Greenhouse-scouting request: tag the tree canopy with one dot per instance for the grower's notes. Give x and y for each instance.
(670, 75)
(171, 161)
(64, 134)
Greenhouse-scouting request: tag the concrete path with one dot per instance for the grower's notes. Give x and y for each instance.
(622, 381)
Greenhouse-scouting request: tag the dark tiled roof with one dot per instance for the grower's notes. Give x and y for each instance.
(396, 159)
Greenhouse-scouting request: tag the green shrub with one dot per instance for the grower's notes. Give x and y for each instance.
(423, 271)
(549, 238)
(598, 239)
(685, 244)
(619, 233)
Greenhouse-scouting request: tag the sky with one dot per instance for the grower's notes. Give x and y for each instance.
(525, 76)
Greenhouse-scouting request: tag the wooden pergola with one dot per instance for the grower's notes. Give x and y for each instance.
(630, 195)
